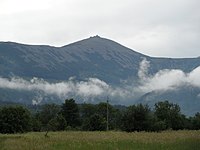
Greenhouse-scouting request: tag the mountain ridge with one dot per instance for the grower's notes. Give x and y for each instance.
(91, 38)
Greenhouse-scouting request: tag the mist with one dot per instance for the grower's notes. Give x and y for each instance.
(92, 88)
(166, 79)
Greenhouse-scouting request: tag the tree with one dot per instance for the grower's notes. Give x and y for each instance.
(51, 118)
(94, 123)
(57, 123)
(70, 112)
(14, 119)
(36, 123)
(48, 112)
(170, 114)
(87, 110)
(136, 118)
(114, 115)
(196, 121)
(155, 124)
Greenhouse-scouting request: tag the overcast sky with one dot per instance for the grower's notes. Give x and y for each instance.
(169, 28)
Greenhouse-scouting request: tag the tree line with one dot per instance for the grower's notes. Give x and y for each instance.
(96, 117)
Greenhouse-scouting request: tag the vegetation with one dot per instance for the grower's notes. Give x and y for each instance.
(14, 119)
(136, 118)
(76, 140)
(90, 117)
(70, 112)
(170, 115)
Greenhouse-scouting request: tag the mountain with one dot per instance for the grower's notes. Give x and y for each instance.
(94, 57)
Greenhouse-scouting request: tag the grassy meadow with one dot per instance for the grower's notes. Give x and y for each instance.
(75, 140)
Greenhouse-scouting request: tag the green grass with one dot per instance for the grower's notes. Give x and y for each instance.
(168, 140)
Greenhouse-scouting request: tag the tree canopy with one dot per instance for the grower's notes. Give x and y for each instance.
(93, 117)
(14, 119)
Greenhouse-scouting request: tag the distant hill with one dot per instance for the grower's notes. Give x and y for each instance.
(94, 57)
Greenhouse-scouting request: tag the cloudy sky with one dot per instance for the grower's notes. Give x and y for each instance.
(169, 28)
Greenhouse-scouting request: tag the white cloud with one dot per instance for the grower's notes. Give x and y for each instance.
(90, 88)
(193, 77)
(167, 79)
(143, 69)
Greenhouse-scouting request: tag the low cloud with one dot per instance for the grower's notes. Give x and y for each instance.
(166, 79)
(88, 89)
(143, 70)
(93, 88)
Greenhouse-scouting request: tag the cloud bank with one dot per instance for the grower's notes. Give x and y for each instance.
(88, 89)
(166, 79)
(92, 88)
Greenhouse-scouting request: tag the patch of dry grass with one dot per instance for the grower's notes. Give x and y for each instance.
(101, 140)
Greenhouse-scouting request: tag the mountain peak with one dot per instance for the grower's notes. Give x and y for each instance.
(103, 46)
(96, 36)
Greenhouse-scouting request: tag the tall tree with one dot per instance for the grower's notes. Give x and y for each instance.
(170, 114)
(136, 118)
(48, 112)
(51, 118)
(70, 112)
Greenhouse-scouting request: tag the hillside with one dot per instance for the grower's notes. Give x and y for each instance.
(96, 65)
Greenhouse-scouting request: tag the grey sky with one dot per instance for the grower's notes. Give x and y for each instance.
(169, 28)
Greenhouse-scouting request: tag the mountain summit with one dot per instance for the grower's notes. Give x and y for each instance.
(92, 57)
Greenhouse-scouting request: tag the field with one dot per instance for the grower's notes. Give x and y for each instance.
(75, 140)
